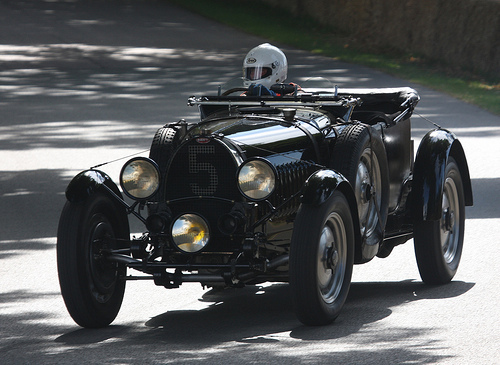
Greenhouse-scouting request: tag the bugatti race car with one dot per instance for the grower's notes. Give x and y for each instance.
(295, 187)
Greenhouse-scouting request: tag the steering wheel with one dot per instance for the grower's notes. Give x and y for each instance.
(233, 90)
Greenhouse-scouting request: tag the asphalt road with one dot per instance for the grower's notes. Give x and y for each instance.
(83, 83)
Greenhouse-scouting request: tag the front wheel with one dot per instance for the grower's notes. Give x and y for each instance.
(438, 244)
(321, 260)
(91, 286)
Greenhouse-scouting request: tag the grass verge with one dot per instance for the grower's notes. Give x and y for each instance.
(261, 20)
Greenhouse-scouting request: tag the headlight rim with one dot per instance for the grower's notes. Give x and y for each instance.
(274, 172)
(153, 164)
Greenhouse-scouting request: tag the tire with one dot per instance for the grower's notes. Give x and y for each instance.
(438, 244)
(321, 260)
(92, 287)
(360, 156)
(162, 147)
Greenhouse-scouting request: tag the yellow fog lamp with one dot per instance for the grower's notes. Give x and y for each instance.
(190, 233)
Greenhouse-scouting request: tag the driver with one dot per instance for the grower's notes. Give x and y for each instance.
(264, 66)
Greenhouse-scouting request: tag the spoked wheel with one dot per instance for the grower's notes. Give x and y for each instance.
(321, 260)
(360, 157)
(91, 286)
(438, 244)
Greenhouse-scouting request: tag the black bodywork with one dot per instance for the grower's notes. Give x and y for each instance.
(297, 135)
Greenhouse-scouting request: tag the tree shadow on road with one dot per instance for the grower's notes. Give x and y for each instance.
(84, 89)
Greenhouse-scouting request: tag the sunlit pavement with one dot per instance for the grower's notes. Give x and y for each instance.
(82, 83)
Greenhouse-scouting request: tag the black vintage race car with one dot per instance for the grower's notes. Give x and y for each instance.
(294, 188)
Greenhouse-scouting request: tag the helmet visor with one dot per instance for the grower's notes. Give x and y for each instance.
(257, 73)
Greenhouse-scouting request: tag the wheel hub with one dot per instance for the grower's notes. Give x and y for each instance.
(103, 272)
(332, 257)
(369, 192)
(448, 220)
(368, 183)
(449, 236)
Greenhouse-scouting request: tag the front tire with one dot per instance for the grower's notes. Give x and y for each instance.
(91, 286)
(321, 260)
(438, 244)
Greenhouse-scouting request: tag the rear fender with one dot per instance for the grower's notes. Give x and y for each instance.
(320, 186)
(89, 182)
(429, 174)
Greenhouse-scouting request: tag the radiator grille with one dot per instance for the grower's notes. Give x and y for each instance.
(195, 167)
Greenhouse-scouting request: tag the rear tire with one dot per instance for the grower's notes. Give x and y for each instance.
(91, 286)
(321, 260)
(438, 244)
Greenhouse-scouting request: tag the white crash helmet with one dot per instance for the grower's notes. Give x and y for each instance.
(266, 65)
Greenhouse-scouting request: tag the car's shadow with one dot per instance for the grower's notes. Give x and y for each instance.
(250, 313)
(237, 320)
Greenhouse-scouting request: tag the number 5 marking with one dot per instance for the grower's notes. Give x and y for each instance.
(196, 167)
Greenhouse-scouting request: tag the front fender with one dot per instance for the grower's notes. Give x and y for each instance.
(87, 183)
(320, 186)
(429, 173)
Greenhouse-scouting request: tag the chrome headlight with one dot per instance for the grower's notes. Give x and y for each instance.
(140, 178)
(257, 179)
(190, 233)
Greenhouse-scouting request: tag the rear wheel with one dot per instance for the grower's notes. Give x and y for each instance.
(91, 286)
(321, 260)
(438, 244)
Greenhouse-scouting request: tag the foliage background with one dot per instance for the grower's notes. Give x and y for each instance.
(449, 45)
